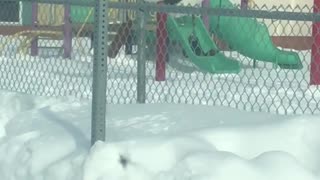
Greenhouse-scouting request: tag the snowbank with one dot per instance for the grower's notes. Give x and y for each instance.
(50, 139)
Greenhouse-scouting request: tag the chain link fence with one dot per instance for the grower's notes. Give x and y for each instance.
(256, 58)
(43, 51)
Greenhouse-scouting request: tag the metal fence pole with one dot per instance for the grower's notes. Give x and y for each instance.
(98, 124)
(141, 79)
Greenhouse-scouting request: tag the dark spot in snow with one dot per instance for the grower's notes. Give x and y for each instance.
(123, 161)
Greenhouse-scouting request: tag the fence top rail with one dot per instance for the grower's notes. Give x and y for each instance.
(265, 14)
(152, 7)
(87, 3)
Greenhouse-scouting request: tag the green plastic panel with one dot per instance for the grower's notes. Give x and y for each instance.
(212, 64)
(80, 13)
(250, 38)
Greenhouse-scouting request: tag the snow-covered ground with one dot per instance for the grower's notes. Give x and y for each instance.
(48, 138)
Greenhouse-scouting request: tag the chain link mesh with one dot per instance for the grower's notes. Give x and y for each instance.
(254, 64)
(43, 51)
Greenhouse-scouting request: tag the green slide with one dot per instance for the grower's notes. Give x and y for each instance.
(182, 31)
(250, 38)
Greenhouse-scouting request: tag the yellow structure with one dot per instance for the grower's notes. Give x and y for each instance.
(50, 14)
(53, 15)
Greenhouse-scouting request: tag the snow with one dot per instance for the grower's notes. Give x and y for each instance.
(49, 138)
(45, 119)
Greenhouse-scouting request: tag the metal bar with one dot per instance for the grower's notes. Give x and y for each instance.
(98, 123)
(141, 76)
(129, 43)
(72, 2)
(244, 4)
(280, 15)
(205, 17)
(34, 42)
(161, 44)
(67, 31)
(315, 50)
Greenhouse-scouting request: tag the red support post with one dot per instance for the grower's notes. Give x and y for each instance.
(205, 18)
(315, 51)
(34, 42)
(244, 4)
(67, 31)
(162, 48)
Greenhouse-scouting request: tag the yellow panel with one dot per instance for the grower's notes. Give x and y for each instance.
(113, 13)
(50, 14)
(53, 15)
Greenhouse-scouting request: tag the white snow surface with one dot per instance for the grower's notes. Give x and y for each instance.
(47, 139)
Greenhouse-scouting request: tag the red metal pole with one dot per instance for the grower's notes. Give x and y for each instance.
(162, 48)
(315, 51)
(34, 42)
(244, 4)
(67, 31)
(205, 18)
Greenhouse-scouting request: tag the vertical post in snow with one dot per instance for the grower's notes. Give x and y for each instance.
(67, 31)
(315, 51)
(98, 122)
(205, 17)
(34, 23)
(141, 79)
(162, 49)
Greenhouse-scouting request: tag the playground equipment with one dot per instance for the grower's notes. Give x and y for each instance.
(30, 35)
(54, 22)
(65, 28)
(42, 28)
(193, 27)
(120, 39)
(315, 61)
(253, 41)
(75, 14)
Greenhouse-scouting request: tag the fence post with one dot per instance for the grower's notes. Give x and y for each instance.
(315, 54)
(98, 122)
(141, 76)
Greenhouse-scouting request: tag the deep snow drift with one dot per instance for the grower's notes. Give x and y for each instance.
(50, 138)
